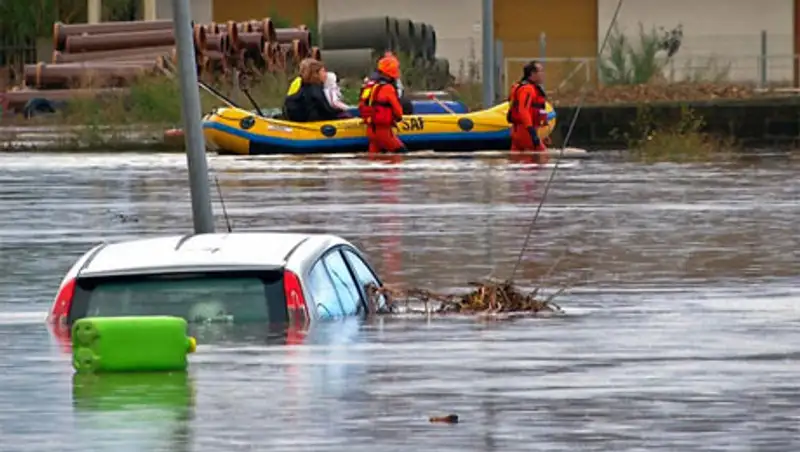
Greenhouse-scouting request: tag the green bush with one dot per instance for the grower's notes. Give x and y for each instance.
(678, 139)
(627, 63)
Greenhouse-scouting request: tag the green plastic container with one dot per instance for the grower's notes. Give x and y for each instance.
(130, 344)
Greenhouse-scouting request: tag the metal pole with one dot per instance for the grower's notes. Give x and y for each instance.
(94, 11)
(488, 54)
(499, 76)
(150, 10)
(202, 214)
(763, 58)
(543, 49)
(543, 46)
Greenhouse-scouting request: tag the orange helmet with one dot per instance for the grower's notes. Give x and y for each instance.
(390, 66)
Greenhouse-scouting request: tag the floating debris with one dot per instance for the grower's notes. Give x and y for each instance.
(449, 419)
(489, 297)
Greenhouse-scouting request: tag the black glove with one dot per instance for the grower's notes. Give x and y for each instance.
(534, 136)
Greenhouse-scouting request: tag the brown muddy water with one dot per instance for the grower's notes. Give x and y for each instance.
(683, 331)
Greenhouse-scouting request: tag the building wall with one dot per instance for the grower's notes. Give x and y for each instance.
(716, 33)
(201, 10)
(295, 12)
(570, 25)
(570, 34)
(457, 22)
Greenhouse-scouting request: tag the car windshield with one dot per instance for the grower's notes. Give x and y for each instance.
(197, 297)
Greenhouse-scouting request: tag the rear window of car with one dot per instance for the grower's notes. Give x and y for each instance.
(238, 297)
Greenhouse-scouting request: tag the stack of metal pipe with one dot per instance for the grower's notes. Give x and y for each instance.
(353, 46)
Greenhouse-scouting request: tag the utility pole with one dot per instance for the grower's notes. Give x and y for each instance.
(202, 214)
(489, 91)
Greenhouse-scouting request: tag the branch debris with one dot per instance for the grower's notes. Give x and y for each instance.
(489, 297)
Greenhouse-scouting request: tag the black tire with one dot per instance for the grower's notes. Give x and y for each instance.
(38, 106)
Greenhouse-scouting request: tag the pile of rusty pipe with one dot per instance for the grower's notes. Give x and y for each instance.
(111, 55)
(43, 75)
(218, 43)
(128, 40)
(251, 42)
(62, 31)
(287, 35)
(297, 50)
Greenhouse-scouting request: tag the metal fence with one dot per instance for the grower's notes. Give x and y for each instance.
(763, 58)
(14, 54)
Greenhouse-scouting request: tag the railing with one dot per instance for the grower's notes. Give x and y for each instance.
(578, 67)
(763, 58)
(764, 71)
(14, 54)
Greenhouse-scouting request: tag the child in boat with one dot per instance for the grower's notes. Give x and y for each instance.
(334, 95)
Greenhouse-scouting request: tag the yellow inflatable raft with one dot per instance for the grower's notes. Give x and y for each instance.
(238, 131)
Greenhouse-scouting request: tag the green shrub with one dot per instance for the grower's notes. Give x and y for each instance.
(627, 63)
(680, 139)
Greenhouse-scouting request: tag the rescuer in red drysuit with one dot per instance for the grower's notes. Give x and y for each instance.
(380, 107)
(527, 113)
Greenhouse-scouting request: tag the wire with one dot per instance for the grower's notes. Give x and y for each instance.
(564, 146)
(222, 202)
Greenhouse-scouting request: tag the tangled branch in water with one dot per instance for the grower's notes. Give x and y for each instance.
(489, 297)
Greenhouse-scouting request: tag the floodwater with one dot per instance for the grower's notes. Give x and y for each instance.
(683, 331)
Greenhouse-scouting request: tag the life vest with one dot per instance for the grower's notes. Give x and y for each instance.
(294, 87)
(538, 107)
(375, 112)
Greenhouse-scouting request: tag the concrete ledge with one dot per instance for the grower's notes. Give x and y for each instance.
(81, 138)
(759, 122)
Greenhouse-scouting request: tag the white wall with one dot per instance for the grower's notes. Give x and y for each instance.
(457, 22)
(717, 32)
(202, 10)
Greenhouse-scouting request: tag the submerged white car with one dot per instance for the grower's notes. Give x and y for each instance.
(270, 278)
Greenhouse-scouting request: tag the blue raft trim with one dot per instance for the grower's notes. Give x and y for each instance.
(350, 142)
(450, 141)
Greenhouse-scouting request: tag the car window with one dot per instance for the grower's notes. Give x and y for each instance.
(197, 297)
(344, 283)
(323, 292)
(363, 273)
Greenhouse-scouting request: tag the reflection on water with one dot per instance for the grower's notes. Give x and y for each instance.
(682, 333)
(158, 407)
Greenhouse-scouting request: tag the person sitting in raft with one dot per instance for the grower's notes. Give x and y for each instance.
(380, 108)
(305, 99)
(334, 95)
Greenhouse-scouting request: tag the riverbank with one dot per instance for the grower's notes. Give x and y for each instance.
(761, 122)
(611, 118)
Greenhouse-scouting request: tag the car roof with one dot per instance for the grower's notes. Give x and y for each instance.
(203, 251)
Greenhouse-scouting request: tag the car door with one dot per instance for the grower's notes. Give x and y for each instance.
(343, 282)
(323, 293)
(364, 273)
